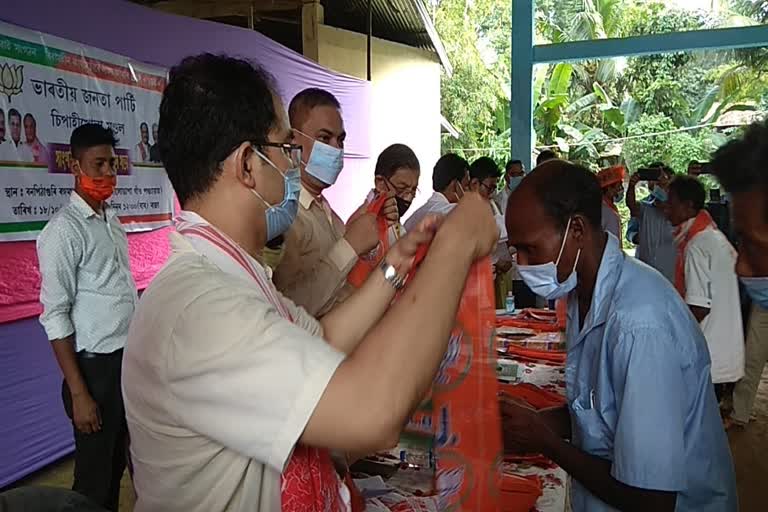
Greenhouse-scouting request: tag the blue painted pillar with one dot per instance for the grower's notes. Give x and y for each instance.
(521, 103)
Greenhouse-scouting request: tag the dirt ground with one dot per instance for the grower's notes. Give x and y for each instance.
(749, 447)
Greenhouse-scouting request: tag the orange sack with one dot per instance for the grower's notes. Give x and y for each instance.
(364, 267)
(466, 418)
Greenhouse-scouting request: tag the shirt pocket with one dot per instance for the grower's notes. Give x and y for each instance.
(591, 433)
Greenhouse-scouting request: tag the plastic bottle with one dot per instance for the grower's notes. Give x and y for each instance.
(510, 302)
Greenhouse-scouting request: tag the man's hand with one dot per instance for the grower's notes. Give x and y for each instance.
(362, 233)
(634, 180)
(502, 267)
(389, 211)
(85, 414)
(402, 254)
(472, 222)
(523, 429)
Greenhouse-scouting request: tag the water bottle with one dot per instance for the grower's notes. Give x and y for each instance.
(510, 303)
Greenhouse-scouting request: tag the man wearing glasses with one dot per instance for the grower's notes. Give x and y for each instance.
(234, 396)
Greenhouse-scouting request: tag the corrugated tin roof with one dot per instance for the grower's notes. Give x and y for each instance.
(403, 21)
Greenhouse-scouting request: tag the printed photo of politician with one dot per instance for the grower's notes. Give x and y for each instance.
(12, 147)
(141, 151)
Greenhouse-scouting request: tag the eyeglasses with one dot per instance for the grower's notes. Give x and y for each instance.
(290, 151)
(403, 191)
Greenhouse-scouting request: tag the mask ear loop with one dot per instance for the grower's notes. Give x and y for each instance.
(562, 245)
(266, 159)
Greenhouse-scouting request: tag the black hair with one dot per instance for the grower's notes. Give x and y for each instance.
(567, 190)
(664, 167)
(545, 155)
(396, 156)
(448, 168)
(89, 135)
(14, 113)
(28, 115)
(689, 188)
(740, 164)
(306, 100)
(211, 105)
(484, 167)
(511, 163)
(144, 125)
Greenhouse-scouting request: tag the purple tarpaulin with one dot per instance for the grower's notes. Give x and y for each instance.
(33, 428)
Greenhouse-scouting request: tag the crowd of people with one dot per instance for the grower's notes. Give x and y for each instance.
(251, 371)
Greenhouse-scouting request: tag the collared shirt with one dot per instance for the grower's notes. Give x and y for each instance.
(317, 257)
(640, 393)
(656, 244)
(218, 386)
(711, 282)
(87, 288)
(437, 204)
(611, 220)
(10, 152)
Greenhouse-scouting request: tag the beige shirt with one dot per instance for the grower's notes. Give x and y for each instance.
(218, 387)
(317, 257)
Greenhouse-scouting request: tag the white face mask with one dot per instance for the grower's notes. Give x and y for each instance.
(542, 279)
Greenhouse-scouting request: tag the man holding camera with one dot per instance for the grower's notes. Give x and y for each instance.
(655, 244)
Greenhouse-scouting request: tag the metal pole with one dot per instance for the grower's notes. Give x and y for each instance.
(370, 34)
(521, 104)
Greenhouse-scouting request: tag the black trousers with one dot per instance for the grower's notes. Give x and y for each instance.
(100, 458)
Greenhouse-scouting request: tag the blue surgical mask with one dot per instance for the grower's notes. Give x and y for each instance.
(514, 182)
(279, 217)
(659, 194)
(325, 161)
(542, 279)
(757, 288)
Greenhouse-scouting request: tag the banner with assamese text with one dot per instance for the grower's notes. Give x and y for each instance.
(48, 87)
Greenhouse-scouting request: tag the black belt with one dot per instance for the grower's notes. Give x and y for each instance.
(95, 355)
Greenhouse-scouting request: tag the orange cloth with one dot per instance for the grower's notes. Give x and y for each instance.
(364, 267)
(535, 396)
(519, 493)
(702, 222)
(466, 418)
(611, 176)
(552, 356)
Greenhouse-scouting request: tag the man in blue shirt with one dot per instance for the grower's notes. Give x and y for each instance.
(655, 243)
(641, 415)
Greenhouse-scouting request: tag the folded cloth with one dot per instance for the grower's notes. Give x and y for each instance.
(519, 493)
(553, 356)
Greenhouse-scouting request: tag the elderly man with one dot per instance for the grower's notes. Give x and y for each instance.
(642, 418)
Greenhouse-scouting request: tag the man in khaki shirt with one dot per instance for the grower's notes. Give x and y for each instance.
(319, 250)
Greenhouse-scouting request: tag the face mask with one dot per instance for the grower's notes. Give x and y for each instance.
(514, 182)
(402, 206)
(279, 217)
(660, 194)
(325, 162)
(542, 279)
(757, 288)
(619, 196)
(99, 189)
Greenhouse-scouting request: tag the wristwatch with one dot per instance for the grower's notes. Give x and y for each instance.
(391, 276)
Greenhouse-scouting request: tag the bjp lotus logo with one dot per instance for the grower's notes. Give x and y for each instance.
(11, 79)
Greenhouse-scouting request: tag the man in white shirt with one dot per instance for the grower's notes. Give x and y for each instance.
(706, 279)
(141, 151)
(234, 395)
(88, 297)
(6, 149)
(19, 151)
(450, 179)
(513, 175)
